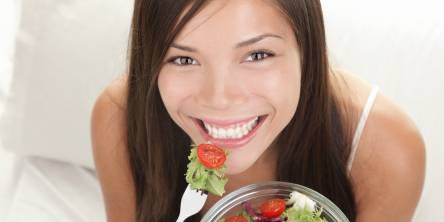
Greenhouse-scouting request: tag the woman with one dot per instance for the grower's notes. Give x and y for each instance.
(198, 68)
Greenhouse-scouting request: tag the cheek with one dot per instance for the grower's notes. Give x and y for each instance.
(171, 93)
(173, 88)
(280, 87)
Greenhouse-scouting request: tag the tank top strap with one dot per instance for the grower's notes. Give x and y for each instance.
(361, 124)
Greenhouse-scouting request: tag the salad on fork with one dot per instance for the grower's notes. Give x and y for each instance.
(206, 169)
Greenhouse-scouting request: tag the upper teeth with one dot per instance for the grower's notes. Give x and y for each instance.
(232, 132)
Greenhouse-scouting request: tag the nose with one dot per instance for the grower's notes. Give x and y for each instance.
(221, 91)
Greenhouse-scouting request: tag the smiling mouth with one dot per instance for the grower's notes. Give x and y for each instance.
(230, 135)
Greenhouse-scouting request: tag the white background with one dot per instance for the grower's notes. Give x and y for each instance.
(8, 23)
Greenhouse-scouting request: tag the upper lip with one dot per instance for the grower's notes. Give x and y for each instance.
(227, 122)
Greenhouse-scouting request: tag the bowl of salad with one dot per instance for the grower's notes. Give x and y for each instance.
(274, 201)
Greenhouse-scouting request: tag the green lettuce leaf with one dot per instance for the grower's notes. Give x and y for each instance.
(201, 178)
(302, 215)
(215, 184)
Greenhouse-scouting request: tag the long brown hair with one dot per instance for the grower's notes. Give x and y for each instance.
(314, 147)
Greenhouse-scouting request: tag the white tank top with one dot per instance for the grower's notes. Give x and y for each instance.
(361, 124)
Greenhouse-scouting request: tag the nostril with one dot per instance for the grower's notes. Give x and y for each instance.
(220, 99)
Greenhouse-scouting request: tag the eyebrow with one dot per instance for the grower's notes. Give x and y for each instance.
(238, 45)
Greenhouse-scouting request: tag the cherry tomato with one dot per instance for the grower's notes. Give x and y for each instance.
(210, 155)
(236, 219)
(273, 208)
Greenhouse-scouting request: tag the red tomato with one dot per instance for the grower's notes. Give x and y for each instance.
(210, 155)
(236, 219)
(273, 208)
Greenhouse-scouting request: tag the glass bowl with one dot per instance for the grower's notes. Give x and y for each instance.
(257, 193)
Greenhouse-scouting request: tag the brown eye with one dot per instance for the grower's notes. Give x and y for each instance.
(259, 55)
(182, 61)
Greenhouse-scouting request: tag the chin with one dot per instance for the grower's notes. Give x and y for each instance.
(237, 166)
(235, 170)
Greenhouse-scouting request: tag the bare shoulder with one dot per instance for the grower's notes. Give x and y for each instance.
(108, 135)
(117, 90)
(109, 109)
(388, 171)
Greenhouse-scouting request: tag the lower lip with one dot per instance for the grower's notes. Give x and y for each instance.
(230, 143)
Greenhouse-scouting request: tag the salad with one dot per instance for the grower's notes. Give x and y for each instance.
(206, 169)
(298, 208)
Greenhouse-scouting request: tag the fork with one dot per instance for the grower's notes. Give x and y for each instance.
(191, 203)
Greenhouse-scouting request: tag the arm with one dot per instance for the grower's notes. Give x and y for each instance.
(110, 156)
(388, 173)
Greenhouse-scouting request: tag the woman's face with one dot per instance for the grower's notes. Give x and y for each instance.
(232, 78)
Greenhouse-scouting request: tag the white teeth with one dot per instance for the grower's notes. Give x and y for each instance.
(208, 128)
(222, 133)
(244, 128)
(234, 132)
(237, 132)
(215, 132)
(230, 133)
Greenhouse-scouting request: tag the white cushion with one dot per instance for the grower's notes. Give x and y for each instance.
(66, 53)
(50, 191)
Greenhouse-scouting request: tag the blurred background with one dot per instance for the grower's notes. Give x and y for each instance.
(56, 56)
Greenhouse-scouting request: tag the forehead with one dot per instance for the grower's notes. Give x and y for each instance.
(235, 20)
